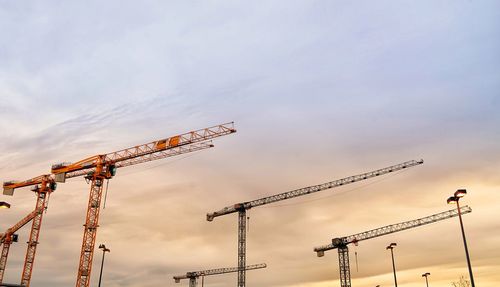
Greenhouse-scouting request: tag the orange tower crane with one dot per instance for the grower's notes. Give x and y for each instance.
(9, 236)
(98, 168)
(43, 186)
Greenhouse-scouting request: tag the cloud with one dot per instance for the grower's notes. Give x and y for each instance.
(318, 91)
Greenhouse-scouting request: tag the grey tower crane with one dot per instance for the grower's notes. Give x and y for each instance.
(341, 243)
(241, 208)
(193, 276)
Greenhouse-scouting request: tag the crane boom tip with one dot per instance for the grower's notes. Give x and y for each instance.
(210, 217)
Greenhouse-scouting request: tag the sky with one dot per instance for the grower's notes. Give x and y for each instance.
(318, 91)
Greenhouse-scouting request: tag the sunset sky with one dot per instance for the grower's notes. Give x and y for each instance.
(318, 91)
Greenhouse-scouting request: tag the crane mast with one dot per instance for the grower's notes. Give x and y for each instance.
(241, 208)
(99, 168)
(42, 192)
(193, 275)
(343, 251)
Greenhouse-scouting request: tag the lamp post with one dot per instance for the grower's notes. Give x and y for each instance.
(4, 204)
(104, 250)
(456, 198)
(425, 275)
(391, 247)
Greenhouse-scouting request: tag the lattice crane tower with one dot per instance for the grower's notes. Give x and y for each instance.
(341, 243)
(241, 208)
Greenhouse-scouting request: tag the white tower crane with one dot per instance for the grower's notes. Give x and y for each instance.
(241, 208)
(193, 275)
(342, 242)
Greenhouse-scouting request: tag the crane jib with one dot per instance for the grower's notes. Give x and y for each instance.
(343, 241)
(312, 189)
(195, 274)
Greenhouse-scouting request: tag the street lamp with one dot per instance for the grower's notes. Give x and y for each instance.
(104, 250)
(456, 198)
(425, 275)
(391, 247)
(4, 204)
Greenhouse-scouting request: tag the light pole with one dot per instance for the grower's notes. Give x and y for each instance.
(4, 204)
(391, 247)
(104, 250)
(425, 275)
(456, 198)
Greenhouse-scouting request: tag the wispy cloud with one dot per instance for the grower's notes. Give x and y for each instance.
(318, 91)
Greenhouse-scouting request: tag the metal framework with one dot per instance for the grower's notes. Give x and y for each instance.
(242, 207)
(44, 185)
(7, 238)
(345, 275)
(3, 259)
(194, 275)
(342, 242)
(41, 204)
(242, 246)
(98, 168)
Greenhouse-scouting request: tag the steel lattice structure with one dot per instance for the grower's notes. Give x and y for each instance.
(98, 168)
(193, 275)
(241, 208)
(41, 204)
(7, 238)
(342, 242)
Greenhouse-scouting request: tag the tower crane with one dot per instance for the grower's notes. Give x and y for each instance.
(241, 208)
(341, 243)
(193, 275)
(98, 168)
(43, 186)
(9, 236)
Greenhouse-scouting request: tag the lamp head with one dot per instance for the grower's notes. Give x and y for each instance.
(426, 274)
(4, 204)
(391, 246)
(104, 249)
(452, 199)
(460, 193)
